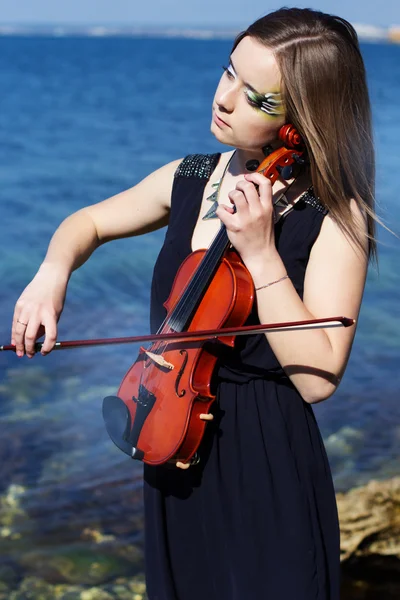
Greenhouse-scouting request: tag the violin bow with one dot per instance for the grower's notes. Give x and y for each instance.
(180, 336)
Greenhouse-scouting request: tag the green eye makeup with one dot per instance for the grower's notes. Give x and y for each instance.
(270, 103)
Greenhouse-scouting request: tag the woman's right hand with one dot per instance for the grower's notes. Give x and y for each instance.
(38, 310)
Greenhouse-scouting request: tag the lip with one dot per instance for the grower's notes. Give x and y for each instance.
(219, 121)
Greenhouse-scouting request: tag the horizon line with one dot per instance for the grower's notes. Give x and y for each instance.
(179, 25)
(365, 32)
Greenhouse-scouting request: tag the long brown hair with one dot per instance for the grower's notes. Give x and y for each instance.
(326, 98)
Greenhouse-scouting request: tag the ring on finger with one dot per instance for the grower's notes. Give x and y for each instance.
(22, 323)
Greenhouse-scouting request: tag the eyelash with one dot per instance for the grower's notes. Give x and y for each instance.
(227, 72)
(249, 100)
(252, 103)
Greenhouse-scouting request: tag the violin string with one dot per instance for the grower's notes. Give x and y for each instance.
(176, 320)
(203, 273)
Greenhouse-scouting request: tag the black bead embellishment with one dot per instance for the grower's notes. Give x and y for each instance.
(197, 165)
(309, 198)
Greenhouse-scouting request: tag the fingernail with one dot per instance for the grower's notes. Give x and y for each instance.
(19, 353)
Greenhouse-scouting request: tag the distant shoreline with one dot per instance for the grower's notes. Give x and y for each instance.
(366, 33)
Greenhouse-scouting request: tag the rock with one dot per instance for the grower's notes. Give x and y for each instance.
(74, 565)
(370, 520)
(71, 595)
(121, 592)
(95, 535)
(67, 592)
(33, 588)
(96, 594)
(370, 537)
(344, 443)
(8, 576)
(138, 585)
(12, 516)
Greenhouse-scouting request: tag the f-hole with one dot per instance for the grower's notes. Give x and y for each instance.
(181, 393)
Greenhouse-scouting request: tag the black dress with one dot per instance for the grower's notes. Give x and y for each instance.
(257, 518)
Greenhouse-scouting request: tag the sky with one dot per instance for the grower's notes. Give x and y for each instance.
(219, 14)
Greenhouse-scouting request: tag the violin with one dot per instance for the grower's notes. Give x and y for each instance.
(155, 416)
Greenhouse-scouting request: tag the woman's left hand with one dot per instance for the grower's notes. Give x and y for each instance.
(251, 228)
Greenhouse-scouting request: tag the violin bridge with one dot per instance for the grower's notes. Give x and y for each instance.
(159, 360)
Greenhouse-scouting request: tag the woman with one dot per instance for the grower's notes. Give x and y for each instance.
(256, 518)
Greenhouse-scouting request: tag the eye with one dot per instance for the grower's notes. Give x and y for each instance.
(229, 72)
(252, 99)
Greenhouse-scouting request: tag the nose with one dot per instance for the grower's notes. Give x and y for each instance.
(226, 99)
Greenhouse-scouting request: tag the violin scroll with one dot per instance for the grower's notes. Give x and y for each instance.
(289, 153)
(290, 137)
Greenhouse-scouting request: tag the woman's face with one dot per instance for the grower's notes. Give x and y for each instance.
(247, 108)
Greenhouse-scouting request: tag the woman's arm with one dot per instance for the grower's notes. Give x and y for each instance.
(144, 207)
(315, 359)
(140, 209)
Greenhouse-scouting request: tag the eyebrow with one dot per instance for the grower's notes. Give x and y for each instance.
(245, 83)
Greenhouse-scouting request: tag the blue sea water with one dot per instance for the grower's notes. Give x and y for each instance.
(82, 119)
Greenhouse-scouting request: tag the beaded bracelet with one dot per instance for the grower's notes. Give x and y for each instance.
(272, 283)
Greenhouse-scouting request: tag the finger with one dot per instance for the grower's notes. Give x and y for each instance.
(227, 216)
(264, 187)
(31, 332)
(236, 196)
(239, 200)
(17, 312)
(50, 326)
(16, 316)
(19, 330)
(182, 465)
(206, 417)
(250, 191)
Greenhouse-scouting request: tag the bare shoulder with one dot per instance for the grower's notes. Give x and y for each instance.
(159, 183)
(142, 208)
(335, 279)
(332, 238)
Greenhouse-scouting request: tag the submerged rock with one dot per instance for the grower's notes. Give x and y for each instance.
(370, 521)
(96, 594)
(99, 562)
(76, 565)
(370, 540)
(33, 588)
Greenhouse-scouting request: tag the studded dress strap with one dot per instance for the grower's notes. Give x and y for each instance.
(199, 166)
(309, 198)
